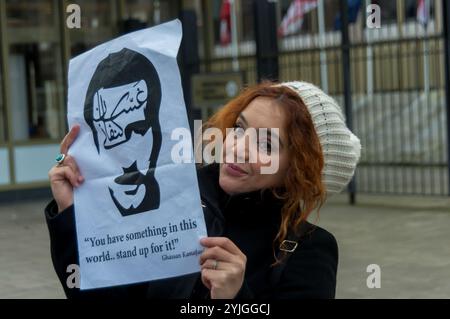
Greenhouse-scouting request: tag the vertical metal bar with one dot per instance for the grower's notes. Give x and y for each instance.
(431, 114)
(364, 127)
(361, 114)
(323, 56)
(288, 63)
(369, 59)
(375, 114)
(446, 27)
(345, 44)
(441, 125)
(400, 176)
(412, 86)
(400, 129)
(392, 156)
(381, 99)
(427, 91)
(266, 40)
(421, 114)
(405, 103)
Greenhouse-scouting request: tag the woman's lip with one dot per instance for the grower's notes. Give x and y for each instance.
(235, 170)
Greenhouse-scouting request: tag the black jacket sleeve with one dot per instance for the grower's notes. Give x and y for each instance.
(64, 252)
(245, 292)
(311, 270)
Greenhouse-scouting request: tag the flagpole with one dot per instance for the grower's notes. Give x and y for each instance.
(323, 55)
(234, 39)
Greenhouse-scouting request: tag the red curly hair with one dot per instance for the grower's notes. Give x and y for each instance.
(303, 190)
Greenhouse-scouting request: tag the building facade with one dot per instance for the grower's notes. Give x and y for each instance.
(36, 44)
(396, 62)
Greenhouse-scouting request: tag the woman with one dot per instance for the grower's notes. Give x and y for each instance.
(260, 243)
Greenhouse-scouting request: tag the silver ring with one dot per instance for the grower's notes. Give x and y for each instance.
(216, 263)
(60, 159)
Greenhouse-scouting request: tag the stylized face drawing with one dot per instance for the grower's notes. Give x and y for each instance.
(122, 108)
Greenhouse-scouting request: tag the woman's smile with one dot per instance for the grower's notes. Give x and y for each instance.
(234, 170)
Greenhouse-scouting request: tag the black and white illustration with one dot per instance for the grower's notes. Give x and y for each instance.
(122, 103)
(138, 213)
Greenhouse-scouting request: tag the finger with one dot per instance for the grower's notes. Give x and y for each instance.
(217, 253)
(65, 173)
(213, 278)
(70, 161)
(69, 138)
(205, 280)
(221, 265)
(210, 277)
(210, 264)
(222, 242)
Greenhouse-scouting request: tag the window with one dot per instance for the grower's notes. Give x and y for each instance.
(35, 69)
(149, 13)
(142, 11)
(101, 20)
(98, 24)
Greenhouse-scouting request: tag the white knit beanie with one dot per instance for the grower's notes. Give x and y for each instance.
(340, 147)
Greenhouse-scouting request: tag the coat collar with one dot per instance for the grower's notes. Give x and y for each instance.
(213, 194)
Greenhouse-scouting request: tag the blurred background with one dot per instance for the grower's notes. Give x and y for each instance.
(386, 62)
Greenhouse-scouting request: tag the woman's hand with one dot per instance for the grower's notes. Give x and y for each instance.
(223, 267)
(64, 177)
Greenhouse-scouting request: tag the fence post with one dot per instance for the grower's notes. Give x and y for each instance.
(266, 39)
(345, 45)
(446, 28)
(189, 59)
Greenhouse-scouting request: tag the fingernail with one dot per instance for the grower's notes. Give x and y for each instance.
(80, 179)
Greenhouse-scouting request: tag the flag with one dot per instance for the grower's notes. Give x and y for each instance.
(353, 9)
(225, 22)
(293, 20)
(423, 12)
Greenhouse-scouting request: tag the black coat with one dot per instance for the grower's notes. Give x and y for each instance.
(250, 220)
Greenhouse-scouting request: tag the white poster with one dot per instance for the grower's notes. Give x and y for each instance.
(138, 213)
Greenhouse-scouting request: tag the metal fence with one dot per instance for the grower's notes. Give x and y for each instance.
(398, 111)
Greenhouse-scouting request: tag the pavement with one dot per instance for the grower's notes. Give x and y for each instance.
(407, 237)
